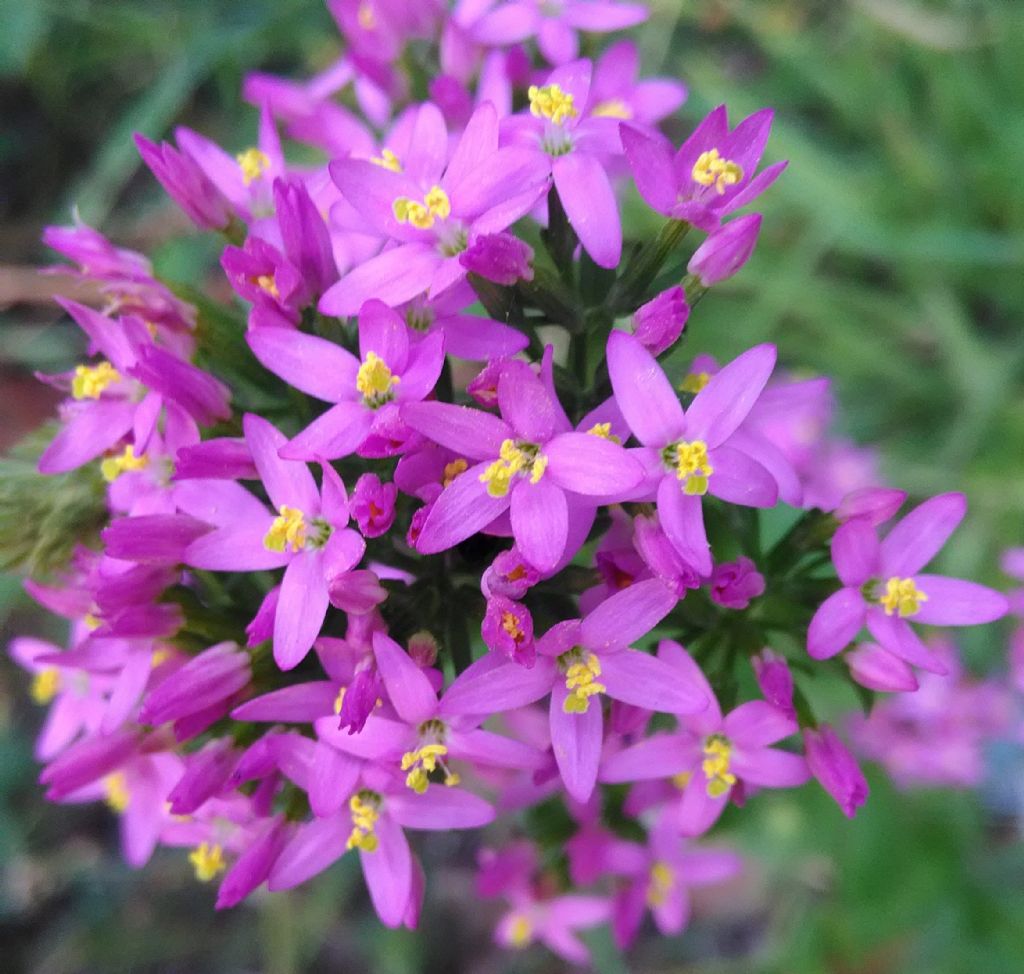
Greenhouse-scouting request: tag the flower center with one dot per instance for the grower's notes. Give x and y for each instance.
(287, 531)
(207, 860)
(113, 467)
(387, 160)
(717, 753)
(364, 808)
(45, 685)
(612, 108)
(711, 169)
(513, 458)
(421, 215)
(659, 885)
(581, 670)
(694, 382)
(375, 381)
(552, 103)
(90, 381)
(902, 597)
(117, 795)
(253, 163)
(689, 461)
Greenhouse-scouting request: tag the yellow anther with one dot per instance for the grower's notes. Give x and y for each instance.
(287, 531)
(253, 163)
(364, 809)
(387, 160)
(207, 860)
(90, 381)
(612, 108)
(45, 685)
(510, 623)
(551, 102)
(537, 468)
(681, 780)
(113, 467)
(375, 380)
(267, 283)
(117, 795)
(520, 931)
(902, 597)
(420, 763)
(581, 681)
(435, 205)
(366, 16)
(711, 169)
(662, 879)
(438, 203)
(498, 475)
(452, 470)
(603, 431)
(692, 466)
(339, 700)
(451, 779)
(91, 620)
(160, 655)
(717, 753)
(694, 382)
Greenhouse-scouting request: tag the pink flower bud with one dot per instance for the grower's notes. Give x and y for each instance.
(836, 769)
(262, 626)
(735, 583)
(509, 575)
(373, 505)
(499, 257)
(775, 680)
(878, 669)
(661, 557)
(875, 504)
(726, 250)
(659, 323)
(423, 649)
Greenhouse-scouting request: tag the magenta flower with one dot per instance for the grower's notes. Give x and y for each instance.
(528, 462)
(836, 769)
(577, 661)
(435, 212)
(389, 370)
(689, 455)
(659, 323)
(554, 922)
(710, 755)
(710, 176)
(308, 537)
(883, 586)
(735, 583)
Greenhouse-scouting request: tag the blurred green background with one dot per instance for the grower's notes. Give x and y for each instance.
(892, 259)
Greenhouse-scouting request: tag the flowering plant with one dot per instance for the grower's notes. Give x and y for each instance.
(414, 534)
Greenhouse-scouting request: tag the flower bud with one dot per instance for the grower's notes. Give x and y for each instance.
(186, 184)
(423, 649)
(726, 250)
(659, 323)
(499, 257)
(373, 505)
(207, 680)
(775, 680)
(509, 575)
(878, 669)
(875, 504)
(735, 583)
(836, 769)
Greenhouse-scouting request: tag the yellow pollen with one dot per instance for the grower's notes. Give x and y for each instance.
(520, 931)
(694, 382)
(253, 163)
(902, 597)
(364, 810)
(660, 883)
(387, 160)
(339, 700)
(452, 470)
(366, 17)
(375, 381)
(287, 531)
(512, 459)
(510, 624)
(603, 431)
(45, 685)
(551, 102)
(692, 466)
(420, 763)
(207, 860)
(113, 467)
(538, 468)
(612, 108)
(682, 779)
(711, 169)
(581, 680)
(160, 655)
(116, 787)
(267, 283)
(90, 381)
(92, 620)
(717, 752)
(435, 205)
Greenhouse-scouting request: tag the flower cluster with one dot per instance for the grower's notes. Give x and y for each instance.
(415, 533)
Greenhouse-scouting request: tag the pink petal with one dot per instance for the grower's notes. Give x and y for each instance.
(287, 481)
(89, 431)
(586, 193)
(540, 521)
(395, 276)
(470, 432)
(492, 686)
(653, 759)
(757, 723)
(917, 538)
(426, 359)
(408, 688)
(236, 549)
(770, 768)
(650, 158)
(576, 742)
(698, 811)
(648, 682)
(627, 616)
(388, 872)
(648, 402)
(300, 610)
(682, 518)
(855, 552)
(525, 404)
(314, 846)
(440, 809)
(954, 602)
(725, 401)
(591, 465)
(462, 509)
(896, 635)
(313, 365)
(335, 434)
(740, 479)
(485, 748)
(383, 332)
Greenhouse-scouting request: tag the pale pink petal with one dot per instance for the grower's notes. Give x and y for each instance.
(648, 402)
(576, 742)
(917, 538)
(300, 610)
(540, 522)
(288, 482)
(725, 401)
(408, 688)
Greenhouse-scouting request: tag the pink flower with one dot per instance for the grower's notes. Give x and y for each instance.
(735, 583)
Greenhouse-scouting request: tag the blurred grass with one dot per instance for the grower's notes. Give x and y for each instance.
(892, 259)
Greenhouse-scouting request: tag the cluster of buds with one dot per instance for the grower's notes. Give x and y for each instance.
(414, 534)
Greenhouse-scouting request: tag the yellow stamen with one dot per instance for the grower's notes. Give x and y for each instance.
(711, 169)
(438, 203)
(113, 467)
(287, 531)
(45, 685)
(387, 160)
(510, 623)
(902, 597)
(581, 680)
(551, 102)
(694, 382)
(160, 655)
(90, 381)
(420, 763)
(92, 620)
(513, 459)
(339, 700)
(520, 931)
(116, 787)
(435, 205)
(253, 163)
(452, 470)
(604, 432)
(682, 779)
(692, 466)
(267, 283)
(717, 752)
(612, 108)
(375, 380)
(207, 860)
(366, 16)
(660, 883)
(364, 809)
